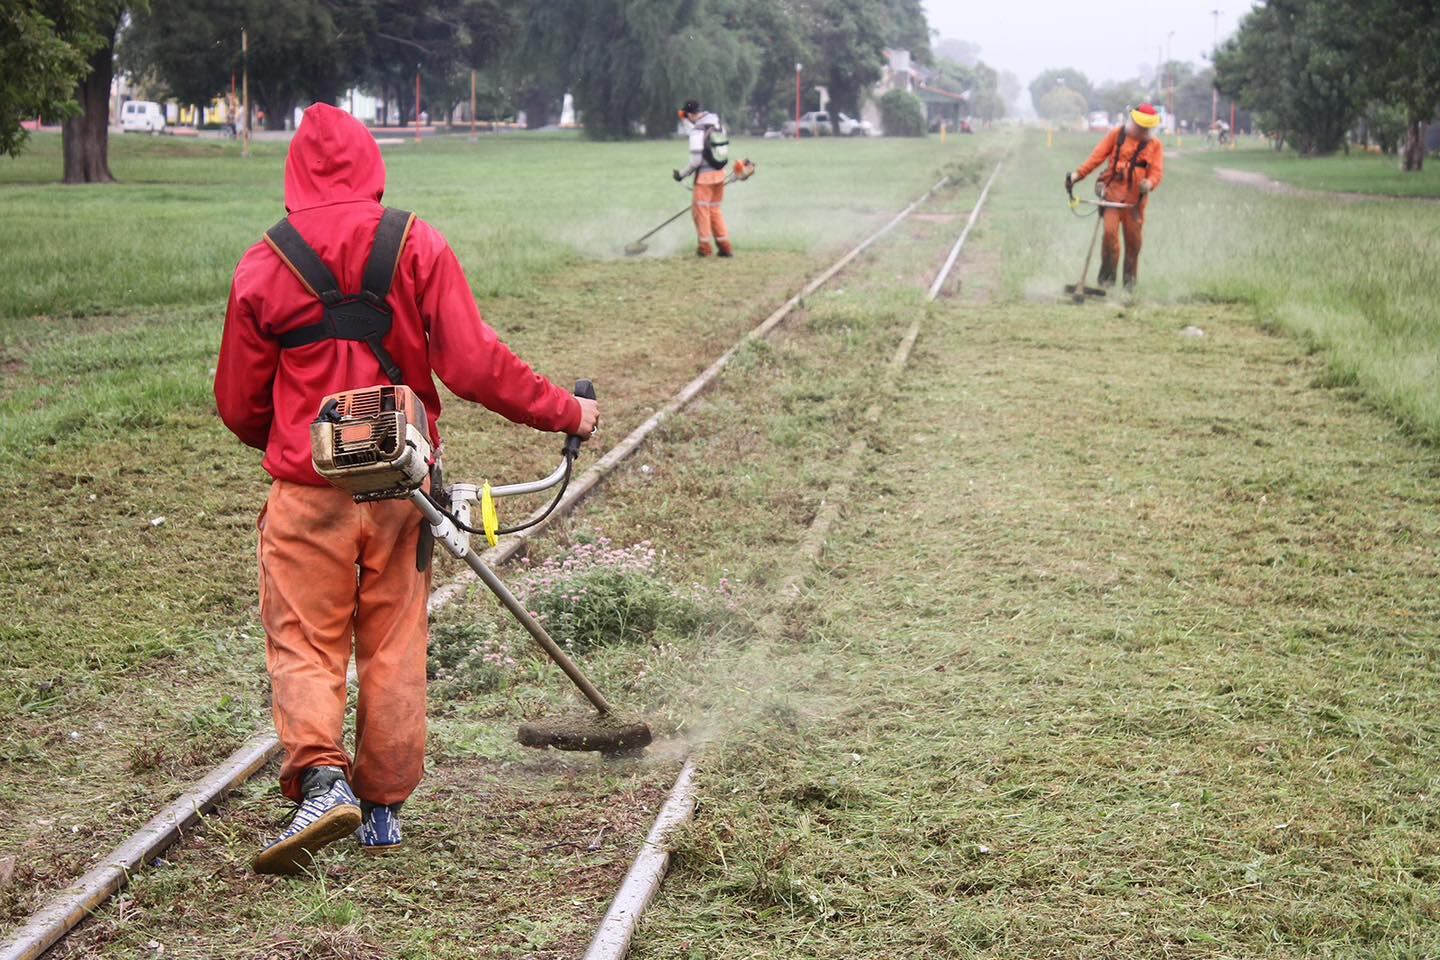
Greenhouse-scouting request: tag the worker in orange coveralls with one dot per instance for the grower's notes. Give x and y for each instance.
(336, 575)
(1136, 165)
(708, 157)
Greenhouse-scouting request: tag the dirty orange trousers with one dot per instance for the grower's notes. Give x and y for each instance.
(1131, 223)
(337, 575)
(705, 208)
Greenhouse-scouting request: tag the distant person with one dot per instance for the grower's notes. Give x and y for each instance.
(709, 153)
(1136, 165)
(336, 575)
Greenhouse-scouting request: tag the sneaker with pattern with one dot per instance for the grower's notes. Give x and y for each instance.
(379, 828)
(328, 812)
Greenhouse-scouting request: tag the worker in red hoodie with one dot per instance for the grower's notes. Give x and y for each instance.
(311, 313)
(1134, 166)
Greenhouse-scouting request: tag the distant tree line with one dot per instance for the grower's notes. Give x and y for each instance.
(629, 63)
(1187, 91)
(1314, 71)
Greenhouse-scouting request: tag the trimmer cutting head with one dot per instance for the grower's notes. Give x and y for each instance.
(602, 732)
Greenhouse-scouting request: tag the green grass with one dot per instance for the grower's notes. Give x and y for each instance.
(130, 650)
(1124, 644)
(1352, 280)
(516, 209)
(1358, 172)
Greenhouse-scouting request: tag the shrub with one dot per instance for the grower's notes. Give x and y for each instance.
(466, 659)
(602, 595)
(902, 114)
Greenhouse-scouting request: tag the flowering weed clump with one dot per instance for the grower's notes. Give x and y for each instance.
(601, 594)
(467, 659)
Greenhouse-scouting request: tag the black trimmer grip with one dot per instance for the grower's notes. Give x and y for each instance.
(585, 390)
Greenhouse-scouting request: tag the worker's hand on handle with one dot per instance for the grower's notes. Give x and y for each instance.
(1070, 182)
(1145, 187)
(678, 175)
(589, 417)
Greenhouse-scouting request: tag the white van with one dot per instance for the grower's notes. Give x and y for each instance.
(145, 115)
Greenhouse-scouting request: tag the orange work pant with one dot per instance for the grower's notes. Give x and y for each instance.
(335, 573)
(1131, 223)
(705, 208)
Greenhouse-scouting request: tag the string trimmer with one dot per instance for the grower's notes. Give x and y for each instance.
(374, 444)
(1079, 291)
(743, 170)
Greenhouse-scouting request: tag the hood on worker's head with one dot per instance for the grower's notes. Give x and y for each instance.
(333, 159)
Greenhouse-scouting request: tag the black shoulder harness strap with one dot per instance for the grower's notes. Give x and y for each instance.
(364, 316)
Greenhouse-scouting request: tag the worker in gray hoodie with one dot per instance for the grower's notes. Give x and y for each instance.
(709, 154)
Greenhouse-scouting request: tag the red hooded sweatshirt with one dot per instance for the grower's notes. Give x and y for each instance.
(334, 178)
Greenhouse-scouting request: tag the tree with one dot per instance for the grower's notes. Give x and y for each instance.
(1069, 78)
(1298, 65)
(90, 26)
(1120, 95)
(850, 41)
(39, 70)
(631, 63)
(1401, 47)
(986, 101)
(299, 49)
(1062, 105)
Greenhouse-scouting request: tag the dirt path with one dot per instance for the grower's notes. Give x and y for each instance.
(1258, 181)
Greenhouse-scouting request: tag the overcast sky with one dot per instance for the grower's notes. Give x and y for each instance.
(1103, 39)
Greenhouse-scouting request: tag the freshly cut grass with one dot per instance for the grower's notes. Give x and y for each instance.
(1353, 281)
(1109, 658)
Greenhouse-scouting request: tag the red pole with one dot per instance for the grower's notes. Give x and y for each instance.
(797, 101)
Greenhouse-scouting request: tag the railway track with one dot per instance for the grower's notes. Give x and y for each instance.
(614, 934)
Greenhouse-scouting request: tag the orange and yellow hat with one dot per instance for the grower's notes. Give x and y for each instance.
(1145, 116)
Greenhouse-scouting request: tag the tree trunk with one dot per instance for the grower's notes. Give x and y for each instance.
(278, 112)
(1414, 147)
(85, 138)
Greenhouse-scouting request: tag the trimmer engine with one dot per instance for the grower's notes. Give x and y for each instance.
(373, 442)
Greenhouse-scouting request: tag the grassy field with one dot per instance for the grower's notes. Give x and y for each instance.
(1124, 644)
(516, 209)
(1357, 172)
(130, 650)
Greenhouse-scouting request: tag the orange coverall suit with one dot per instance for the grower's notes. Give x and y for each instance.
(705, 208)
(1134, 160)
(336, 575)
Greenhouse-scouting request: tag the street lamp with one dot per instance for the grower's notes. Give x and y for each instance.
(797, 101)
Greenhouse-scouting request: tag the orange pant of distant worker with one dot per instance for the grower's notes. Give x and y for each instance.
(705, 208)
(313, 607)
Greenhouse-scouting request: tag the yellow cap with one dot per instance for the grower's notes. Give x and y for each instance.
(1145, 116)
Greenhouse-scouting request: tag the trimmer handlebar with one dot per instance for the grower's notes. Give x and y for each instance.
(585, 390)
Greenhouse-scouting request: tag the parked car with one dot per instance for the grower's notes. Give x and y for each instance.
(850, 127)
(144, 115)
(1099, 120)
(817, 123)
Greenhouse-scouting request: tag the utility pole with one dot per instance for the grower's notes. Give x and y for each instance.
(1170, 84)
(797, 101)
(1214, 90)
(472, 104)
(245, 87)
(417, 103)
